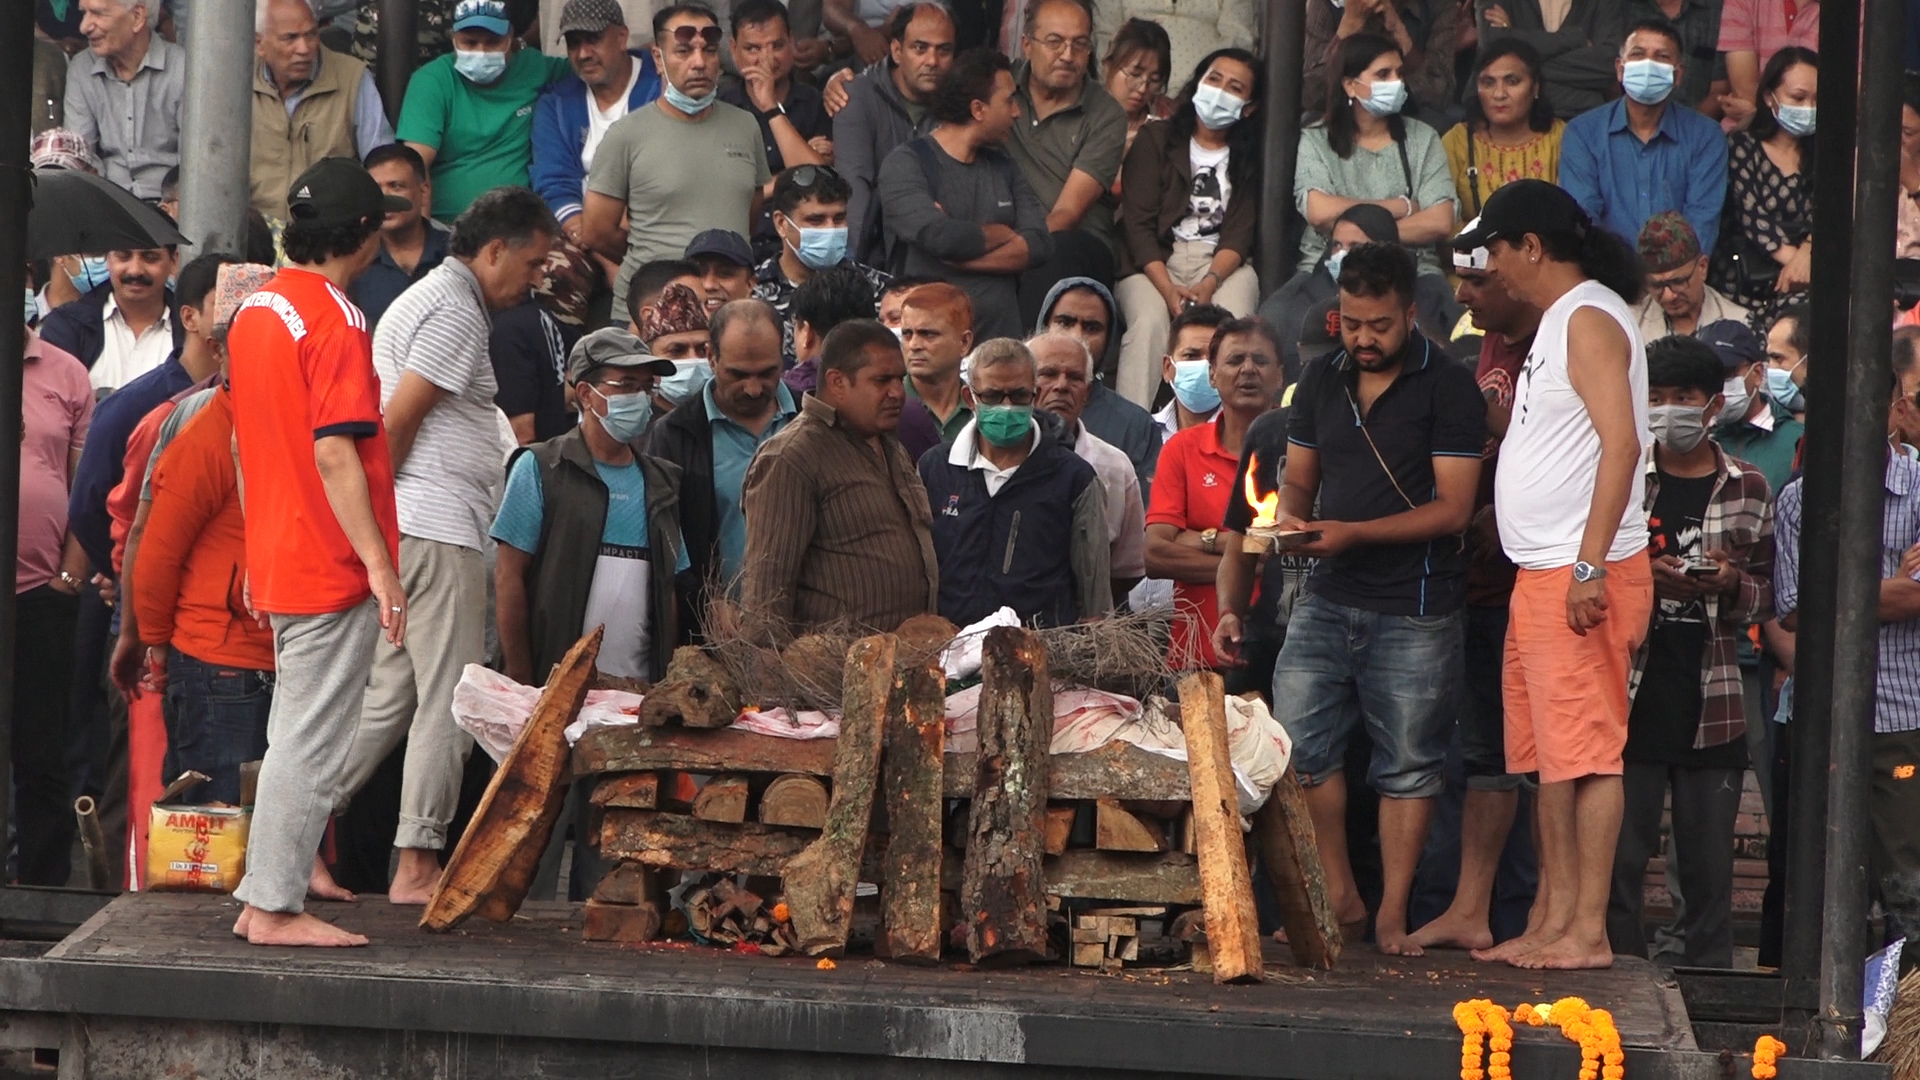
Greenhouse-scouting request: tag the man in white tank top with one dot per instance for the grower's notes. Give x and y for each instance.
(1568, 496)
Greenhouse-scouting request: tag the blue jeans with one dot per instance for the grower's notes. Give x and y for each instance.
(1400, 674)
(216, 722)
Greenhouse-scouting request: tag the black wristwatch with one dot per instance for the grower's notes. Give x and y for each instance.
(780, 108)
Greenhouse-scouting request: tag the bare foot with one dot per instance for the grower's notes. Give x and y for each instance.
(321, 886)
(1454, 932)
(1508, 951)
(1396, 943)
(279, 928)
(416, 878)
(240, 925)
(1568, 953)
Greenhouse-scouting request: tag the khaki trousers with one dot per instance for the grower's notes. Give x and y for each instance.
(1145, 341)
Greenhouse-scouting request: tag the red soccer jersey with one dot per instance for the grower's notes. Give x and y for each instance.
(300, 361)
(1191, 486)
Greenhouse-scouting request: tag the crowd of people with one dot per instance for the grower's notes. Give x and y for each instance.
(702, 322)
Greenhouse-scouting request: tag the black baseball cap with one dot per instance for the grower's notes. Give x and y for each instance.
(338, 191)
(725, 243)
(1736, 343)
(1521, 207)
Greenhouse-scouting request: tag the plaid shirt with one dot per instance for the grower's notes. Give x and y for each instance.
(770, 284)
(1738, 521)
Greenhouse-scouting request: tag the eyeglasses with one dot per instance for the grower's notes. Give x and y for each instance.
(684, 35)
(1673, 285)
(617, 386)
(1053, 43)
(1003, 397)
(808, 176)
(1142, 77)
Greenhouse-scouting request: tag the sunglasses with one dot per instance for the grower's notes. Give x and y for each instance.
(1003, 397)
(809, 176)
(684, 35)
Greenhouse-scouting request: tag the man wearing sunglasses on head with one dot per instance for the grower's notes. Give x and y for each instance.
(687, 163)
(810, 213)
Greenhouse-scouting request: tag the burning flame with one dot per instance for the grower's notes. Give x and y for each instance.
(1266, 508)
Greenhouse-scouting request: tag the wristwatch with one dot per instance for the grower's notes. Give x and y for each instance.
(1585, 571)
(67, 579)
(1210, 541)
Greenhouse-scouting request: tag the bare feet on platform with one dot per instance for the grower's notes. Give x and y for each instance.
(1570, 952)
(302, 929)
(1454, 931)
(321, 886)
(1512, 949)
(246, 919)
(416, 878)
(1396, 942)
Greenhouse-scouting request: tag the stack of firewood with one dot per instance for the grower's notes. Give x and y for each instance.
(726, 914)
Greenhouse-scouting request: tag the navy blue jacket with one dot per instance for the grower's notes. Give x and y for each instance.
(80, 327)
(1040, 546)
(103, 460)
(560, 133)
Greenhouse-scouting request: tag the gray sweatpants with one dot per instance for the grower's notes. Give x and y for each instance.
(411, 693)
(321, 664)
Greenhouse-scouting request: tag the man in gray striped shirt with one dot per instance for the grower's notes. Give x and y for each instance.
(436, 388)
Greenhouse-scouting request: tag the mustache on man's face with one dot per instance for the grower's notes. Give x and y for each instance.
(135, 279)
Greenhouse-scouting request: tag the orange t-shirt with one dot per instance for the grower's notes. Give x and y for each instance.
(1191, 486)
(300, 362)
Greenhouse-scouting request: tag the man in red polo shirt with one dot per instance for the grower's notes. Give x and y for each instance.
(323, 537)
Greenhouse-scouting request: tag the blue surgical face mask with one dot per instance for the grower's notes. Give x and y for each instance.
(1388, 97)
(33, 307)
(1647, 81)
(93, 273)
(822, 248)
(1193, 386)
(1781, 388)
(483, 68)
(689, 378)
(627, 415)
(1796, 120)
(1216, 108)
(692, 106)
(1334, 259)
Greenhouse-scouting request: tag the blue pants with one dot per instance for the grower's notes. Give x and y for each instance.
(216, 722)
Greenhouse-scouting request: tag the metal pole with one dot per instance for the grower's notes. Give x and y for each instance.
(1823, 465)
(398, 45)
(216, 121)
(1862, 494)
(1284, 34)
(16, 189)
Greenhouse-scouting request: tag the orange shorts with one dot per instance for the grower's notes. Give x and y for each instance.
(1565, 694)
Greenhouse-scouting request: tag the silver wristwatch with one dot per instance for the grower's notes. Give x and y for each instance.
(1586, 571)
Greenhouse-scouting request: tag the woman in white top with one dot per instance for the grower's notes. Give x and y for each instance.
(1568, 494)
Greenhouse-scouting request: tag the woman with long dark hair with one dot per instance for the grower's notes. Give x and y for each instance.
(1510, 132)
(1190, 192)
(1765, 255)
(1363, 150)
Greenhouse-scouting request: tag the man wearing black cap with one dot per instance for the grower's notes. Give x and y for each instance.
(323, 536)
(725, 260)
(609, 80)
(1753, 427)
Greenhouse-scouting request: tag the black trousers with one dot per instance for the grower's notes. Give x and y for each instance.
(1705, 805)
(43, 662)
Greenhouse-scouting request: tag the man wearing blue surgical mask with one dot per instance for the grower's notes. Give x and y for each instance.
(1753, 427)
(1645, 152)
(809, 207)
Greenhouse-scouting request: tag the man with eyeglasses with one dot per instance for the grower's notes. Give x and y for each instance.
(810, 216)
(884, 108)
(1678, 300)
(1069, 142)
(685, 164)
(1019, 520)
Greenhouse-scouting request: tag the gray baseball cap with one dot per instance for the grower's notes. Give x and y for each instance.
(612, 347)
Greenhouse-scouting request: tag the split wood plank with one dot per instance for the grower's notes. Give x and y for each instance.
(1226, 881)
(1118, 770)
(494, 863)
(1003, 886)
(1283, 832)
(697, 693)
(628, 791)
(723, 799)
(916, 739)
(794, 799)
(821, 879)
(1115, 828)
(639, 749)
(660, 840)
(1168, 878)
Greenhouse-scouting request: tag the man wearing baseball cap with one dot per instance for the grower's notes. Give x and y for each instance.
(1753, 427)
(470, 114)
(323, 536)
(725, 260)
(609, 80)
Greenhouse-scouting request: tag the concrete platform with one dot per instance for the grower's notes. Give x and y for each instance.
(156, 985)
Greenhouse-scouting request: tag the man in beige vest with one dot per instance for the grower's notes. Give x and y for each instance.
(309, 103)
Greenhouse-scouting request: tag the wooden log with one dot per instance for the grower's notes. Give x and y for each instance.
(1118, 770)
(660, 840)
(1226, 882)
(697, 693)
(794, 799)
(642, 749)
(724, 798)
(910, 881)
(821, 879)
(1283, 831)
(1060, 817)
(1170, 878)
(1003, 887)
(620, 922)
(494, 863)
(628, 791)
(626, 883)
(1115, 828)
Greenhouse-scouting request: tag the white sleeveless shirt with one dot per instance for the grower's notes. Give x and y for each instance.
(1543, 486)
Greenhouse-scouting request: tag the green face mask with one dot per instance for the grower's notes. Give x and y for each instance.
(1005, 425)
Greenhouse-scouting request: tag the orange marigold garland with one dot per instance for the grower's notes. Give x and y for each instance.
(1765, 1052)
(1482, 1017)
(1601, 1057)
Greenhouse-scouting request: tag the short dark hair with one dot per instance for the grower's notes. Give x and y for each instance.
(197, 278)
(903, 283)
(397, 151)
(1211, 316)
(1801, 315)
(836, 295)
(308, 244)
(750, 310)
(845, 349)
(903, 16)
(513, 214)
(1656, 25)
(258, 241)
(828, 186)
(1378, 270)
(653, 276)
(170, 183)
(672, 11)
(1906, 351)
(1684, 362)
(755, 12)
(1245, 324)
(970, 79)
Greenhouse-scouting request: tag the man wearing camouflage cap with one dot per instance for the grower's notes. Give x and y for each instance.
(1678, 300)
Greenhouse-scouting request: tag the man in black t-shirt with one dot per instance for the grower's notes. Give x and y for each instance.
(529, 351)
(1710, 526)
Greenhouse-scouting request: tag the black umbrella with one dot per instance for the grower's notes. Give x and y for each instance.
(78, 213)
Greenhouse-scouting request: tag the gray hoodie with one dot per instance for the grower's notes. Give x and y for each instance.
(1108, 415)
(875, 121)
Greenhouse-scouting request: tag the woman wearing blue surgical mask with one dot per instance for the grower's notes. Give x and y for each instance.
(1188, 211)
(1764, 259)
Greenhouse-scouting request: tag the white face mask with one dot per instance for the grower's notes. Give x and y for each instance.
(1735, 392)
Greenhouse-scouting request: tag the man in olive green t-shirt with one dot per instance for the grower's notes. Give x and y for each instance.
(684, 164)
(470, 115)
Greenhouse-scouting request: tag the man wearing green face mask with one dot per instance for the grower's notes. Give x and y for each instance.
(1019, 519)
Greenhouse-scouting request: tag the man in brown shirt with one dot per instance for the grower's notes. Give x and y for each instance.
(838, 527)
